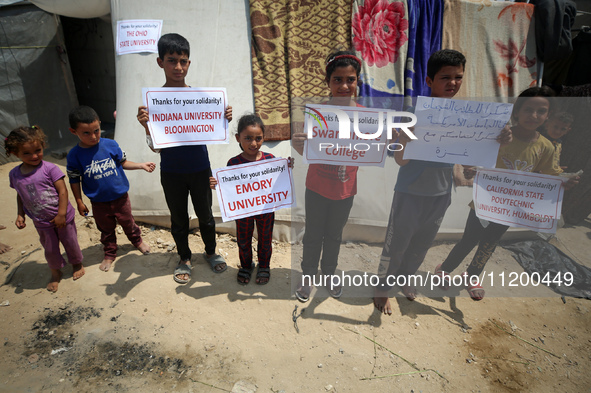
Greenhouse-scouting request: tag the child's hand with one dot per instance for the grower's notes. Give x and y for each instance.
(469, 172)
(395, 136)
(212, 183)
(142, 116)
(82, 209)
(59, 221)
(506, 136)
(148, 166)
(290, 162)
(572, 182)
(297, 141)
(20, 222)
(403, 137)
(228, 113)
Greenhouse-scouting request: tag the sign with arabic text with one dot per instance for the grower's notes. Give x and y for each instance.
(458, 132)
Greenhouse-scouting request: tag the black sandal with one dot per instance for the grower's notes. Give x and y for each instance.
(263, 273)
(244, 274)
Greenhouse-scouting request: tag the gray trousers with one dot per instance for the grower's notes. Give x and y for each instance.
(412, 227)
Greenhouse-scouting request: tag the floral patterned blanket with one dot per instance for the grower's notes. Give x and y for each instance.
(380, 36)
(498, 41)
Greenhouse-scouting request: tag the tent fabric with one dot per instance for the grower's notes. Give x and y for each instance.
(498, 41)
(380, 36)
(36, 86)
(75, 8)
(291, 40)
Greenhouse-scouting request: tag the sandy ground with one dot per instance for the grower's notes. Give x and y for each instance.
(134, 329)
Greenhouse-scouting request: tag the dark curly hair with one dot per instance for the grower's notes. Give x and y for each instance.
(21, 135)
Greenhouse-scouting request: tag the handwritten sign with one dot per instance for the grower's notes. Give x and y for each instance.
(458, 132)
(326, 144)
(254, 188)
(186, 116)
(136, 36)
(518, 199)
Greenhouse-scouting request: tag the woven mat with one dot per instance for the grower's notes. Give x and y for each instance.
(290, 41)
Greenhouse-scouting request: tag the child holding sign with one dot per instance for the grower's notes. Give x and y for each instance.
(529, 152)
(250, 136)
(184, 169)
(42, 195)
(422, 194)
(330, 189)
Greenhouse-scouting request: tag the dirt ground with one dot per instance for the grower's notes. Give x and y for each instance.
(134, 329)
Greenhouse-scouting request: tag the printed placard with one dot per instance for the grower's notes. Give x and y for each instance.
(186, 116)
(458, 132)
(254, 188)
(138, 36)
(327, 144)
(518, 199)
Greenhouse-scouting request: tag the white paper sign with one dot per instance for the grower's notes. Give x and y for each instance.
(137, 36)
(518, 199)
(458, 132)
(186, 116)
(254, 188)
(325, 146)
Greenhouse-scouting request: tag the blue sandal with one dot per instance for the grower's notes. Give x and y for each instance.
(182, 268)
(216, 260)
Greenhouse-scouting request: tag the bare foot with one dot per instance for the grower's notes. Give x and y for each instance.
(56, 276)
(78, 271)
(184, 277)
(106, 265)
(410, 292)
(4, 248)
(144, 248)
(382, 302)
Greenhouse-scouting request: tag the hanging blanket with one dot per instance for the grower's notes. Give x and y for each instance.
(498, 41)
(424, 38)
(380, 35)
(290, 42)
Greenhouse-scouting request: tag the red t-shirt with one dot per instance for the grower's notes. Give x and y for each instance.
(334, 182)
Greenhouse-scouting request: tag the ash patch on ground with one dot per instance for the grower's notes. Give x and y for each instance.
(110, 359)
(54, 333)
(55, 343)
